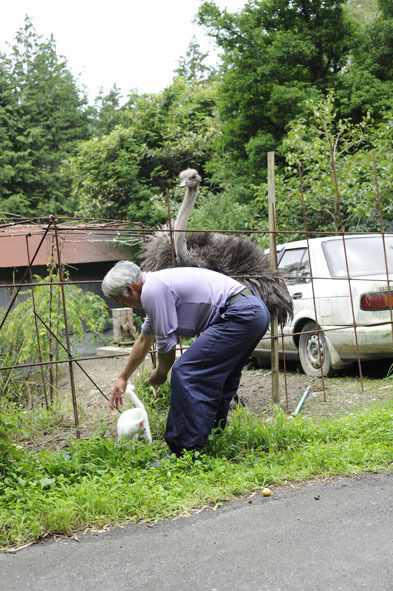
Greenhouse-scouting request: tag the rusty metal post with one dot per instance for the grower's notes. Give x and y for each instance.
(24, 277)
(311, 278)
(342, 228)
(28, 235)
(50, 331)
(273, 264)
(50, 340)
(69, 353)
(173, 252)
(12, 368)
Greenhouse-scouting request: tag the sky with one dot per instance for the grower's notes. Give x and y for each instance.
(135, 44)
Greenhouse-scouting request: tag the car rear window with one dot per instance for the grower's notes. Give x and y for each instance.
(365, 255)
(294, 265)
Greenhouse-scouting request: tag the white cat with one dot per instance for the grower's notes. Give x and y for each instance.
(134, 420)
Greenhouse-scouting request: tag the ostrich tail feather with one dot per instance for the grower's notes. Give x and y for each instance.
(237, 257)
(245, 261)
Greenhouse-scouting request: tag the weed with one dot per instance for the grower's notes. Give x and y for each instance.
(84, 310)
(156, 404)
(100, 481)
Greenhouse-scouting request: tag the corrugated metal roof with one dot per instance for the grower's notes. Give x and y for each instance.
(77, 244)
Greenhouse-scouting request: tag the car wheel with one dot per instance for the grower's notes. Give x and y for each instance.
(313, 351)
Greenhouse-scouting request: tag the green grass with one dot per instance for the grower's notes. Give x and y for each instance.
(98, 481)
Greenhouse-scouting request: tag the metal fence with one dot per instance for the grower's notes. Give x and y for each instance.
(60, 233)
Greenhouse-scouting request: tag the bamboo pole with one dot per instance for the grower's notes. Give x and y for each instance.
(273, 264)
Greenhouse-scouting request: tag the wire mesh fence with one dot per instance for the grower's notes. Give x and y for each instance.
(51, 270)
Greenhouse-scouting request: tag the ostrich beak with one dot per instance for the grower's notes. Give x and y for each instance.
(184, 183)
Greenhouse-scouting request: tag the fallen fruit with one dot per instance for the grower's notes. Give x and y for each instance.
(266, 492)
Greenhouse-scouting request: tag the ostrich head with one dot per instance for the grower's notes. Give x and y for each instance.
(189, 178)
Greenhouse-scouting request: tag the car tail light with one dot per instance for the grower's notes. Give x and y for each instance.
(376, 301)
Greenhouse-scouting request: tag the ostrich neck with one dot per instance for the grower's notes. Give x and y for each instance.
(181, 223)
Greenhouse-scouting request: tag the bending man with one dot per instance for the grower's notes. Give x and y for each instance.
(229, 319)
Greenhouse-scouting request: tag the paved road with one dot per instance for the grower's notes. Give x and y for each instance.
(336, 535)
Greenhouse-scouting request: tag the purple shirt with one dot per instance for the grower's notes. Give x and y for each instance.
(183, 302)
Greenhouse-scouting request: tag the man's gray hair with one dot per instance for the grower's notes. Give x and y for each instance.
(122, 274)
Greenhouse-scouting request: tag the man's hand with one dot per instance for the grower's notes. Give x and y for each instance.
(137, 354)
(157, 378)
(165, 361)
(117, 394)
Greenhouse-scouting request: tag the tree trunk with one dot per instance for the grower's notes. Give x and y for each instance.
(123, 326)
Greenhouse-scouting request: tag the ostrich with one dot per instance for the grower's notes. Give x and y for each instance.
(230, 255)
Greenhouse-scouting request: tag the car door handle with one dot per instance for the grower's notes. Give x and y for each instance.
(297, 296)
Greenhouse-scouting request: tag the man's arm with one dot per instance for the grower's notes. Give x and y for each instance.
(137, 354)
(160, 373)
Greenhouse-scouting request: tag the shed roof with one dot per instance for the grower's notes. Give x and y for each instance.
(78, 244)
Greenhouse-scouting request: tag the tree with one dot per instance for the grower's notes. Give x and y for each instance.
(7, 115)
(45, 121)
(106, 113)
(307, 145)
(20, 343)
(367, 85)
(363, 11)
(276, 55)
(125, 173)
(375, 48)
(193, 67)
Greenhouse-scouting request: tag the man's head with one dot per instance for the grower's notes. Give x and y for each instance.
(120, 279)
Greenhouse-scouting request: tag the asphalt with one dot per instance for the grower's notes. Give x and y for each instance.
(323, 535)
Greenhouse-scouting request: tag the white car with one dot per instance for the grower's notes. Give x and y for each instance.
(343, 297)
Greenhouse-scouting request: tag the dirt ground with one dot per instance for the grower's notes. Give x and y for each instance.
(326, 398)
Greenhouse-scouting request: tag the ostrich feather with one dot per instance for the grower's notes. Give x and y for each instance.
(231, 255)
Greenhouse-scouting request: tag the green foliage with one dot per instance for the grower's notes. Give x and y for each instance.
(116, 159)
(98, 481)
(364, 11)
(220, 211)
(276, 55)
(42, 118)
(106, 114)
(8, 450)
(367, 83)
(120, 174)
(105, 177)
(307, 144)
(156, 404)
(376, 47)
(26, 425)
(85, 310)
(18, 337)
(192, 67)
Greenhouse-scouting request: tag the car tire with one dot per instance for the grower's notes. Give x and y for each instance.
(310, 357)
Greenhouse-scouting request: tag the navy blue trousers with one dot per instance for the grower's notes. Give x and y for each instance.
(206, 377)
